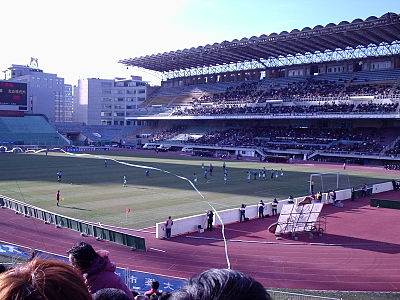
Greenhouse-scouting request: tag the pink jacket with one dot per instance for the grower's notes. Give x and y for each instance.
(101, 275)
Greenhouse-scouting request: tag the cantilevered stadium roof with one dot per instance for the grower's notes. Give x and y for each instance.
(372, 30)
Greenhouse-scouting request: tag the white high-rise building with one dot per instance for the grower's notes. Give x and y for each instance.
(107, 101)
(47, 93)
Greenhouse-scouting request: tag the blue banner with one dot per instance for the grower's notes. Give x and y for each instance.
(10, 250)
(137, 281)
(141, 281)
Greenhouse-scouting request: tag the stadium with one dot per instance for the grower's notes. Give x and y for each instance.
(303, 111)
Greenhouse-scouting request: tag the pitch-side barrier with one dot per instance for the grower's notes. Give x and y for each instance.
(196, 222)
(85, 228)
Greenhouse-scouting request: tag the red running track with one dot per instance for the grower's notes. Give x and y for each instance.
(359, 251)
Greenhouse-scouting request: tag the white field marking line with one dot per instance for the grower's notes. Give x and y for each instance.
(160, 170)
(159, 250)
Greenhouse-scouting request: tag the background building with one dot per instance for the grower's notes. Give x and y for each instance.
(107, 101)
(47, 93)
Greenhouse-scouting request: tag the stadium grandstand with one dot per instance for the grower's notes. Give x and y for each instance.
(328, 93)
(18, 127)
(28, 131)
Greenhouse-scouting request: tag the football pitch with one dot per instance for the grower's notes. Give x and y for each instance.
(93, 192)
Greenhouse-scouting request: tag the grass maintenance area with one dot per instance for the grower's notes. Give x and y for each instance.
(93, 192)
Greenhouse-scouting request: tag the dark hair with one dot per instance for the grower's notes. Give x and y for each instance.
(155, 285)
(135, 293)
(3, 268)
(221, 284)
(82, 254)
(153, 296)
(41, 279)
(164, 296)
(110, 294)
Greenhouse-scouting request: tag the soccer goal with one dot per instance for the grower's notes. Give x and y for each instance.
(329, 181)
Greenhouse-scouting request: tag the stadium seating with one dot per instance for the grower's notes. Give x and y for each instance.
(369, 108)
(360, 140)
(379, 82)
(97, 133)
(29, 130)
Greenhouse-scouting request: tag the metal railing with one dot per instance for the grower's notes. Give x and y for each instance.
(83, 227)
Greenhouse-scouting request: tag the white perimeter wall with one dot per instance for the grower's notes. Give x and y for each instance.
(190, 224)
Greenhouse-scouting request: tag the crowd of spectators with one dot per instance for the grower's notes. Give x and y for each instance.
(166, 134)
(364, 140)
(376, 108)
(255, 92)
(395, 149)
(392, 166)
(363, 147)
(370, 90)
(91, 276)
(244, 92)
(271, 109)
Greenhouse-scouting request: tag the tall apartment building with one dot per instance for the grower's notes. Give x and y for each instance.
(64, 107)
(107, 101)
(47, 93)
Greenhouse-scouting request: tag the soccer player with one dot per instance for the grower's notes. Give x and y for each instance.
(59, 175)
(147, 172)
(194, 178)
(105, 163)
(124, 185)
(225, 178)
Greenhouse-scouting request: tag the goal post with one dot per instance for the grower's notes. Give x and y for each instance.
(325, 182)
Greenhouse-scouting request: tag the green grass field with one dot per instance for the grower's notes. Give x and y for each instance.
(95, 193)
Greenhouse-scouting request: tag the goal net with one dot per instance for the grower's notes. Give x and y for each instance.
(329, 181)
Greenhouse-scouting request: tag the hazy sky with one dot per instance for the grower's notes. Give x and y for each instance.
(86, 38)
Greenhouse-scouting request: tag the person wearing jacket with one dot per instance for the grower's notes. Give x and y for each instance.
(97, 269)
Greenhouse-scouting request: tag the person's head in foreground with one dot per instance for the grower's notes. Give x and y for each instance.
(41, 279)
(82, 255)
(110, 294)
(221, 284)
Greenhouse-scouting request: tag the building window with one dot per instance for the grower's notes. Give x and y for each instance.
(120, 92)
